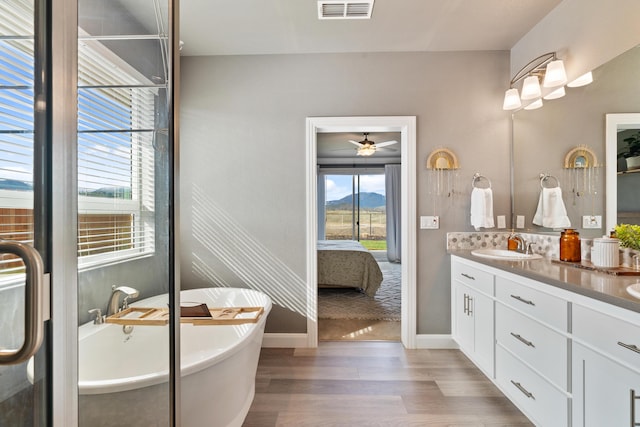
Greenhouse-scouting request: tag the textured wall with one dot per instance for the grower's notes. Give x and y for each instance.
(243, 160)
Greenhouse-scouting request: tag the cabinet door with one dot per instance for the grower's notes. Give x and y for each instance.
(484, 342)
(463, 333)
(603, 391)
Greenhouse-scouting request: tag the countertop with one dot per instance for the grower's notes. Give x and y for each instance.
(600, 286)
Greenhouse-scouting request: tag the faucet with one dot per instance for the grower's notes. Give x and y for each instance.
(524, 247)
(114, 300)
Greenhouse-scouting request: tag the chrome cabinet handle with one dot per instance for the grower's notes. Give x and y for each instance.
(523, 390)
(524, 341)
(634, 397)
(466, 304)
(631, 347)
(467, 276)
(33, 312)
(470, 306)
(519, 298)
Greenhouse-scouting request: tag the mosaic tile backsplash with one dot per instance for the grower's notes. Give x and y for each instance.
(544, 244)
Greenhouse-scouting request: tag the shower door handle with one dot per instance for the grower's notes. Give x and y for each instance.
(34, 306)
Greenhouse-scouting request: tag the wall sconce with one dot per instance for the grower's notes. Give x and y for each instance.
(549, 68)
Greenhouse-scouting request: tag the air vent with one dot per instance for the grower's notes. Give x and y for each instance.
(328, 9)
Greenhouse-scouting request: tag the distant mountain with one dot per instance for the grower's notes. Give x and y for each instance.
(14, 184)
(367, 201)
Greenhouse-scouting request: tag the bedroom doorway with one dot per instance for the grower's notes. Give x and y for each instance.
(403, 130)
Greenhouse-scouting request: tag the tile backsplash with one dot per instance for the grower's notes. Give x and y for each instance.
(544, 244)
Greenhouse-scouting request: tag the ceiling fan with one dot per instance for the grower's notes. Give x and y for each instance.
(367, 148)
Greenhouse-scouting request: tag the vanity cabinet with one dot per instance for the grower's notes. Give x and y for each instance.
(473, 315)
(606, 367)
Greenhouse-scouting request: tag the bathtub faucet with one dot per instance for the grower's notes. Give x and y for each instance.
(114, 300)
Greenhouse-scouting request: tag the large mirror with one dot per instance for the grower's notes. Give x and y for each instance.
(542, 139)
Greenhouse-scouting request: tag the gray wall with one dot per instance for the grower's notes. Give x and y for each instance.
(243, 160)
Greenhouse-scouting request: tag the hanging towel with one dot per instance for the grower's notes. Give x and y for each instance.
(551, 212)
(482, 208)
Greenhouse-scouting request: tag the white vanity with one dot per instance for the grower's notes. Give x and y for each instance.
(562, 343)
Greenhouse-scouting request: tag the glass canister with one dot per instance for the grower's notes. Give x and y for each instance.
(570, 245)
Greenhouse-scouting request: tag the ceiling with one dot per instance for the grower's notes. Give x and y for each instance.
(250, 27)
(335, 148)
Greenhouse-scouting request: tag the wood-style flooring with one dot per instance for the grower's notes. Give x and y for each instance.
(362, 383)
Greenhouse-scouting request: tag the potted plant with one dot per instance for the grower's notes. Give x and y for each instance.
(629, 235)
(633, 157)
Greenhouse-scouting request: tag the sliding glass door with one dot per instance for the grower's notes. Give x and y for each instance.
(354, 206)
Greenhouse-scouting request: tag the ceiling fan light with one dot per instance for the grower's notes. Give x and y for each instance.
(583, 80)
(558, 93)
(555, 74)
(366, 150)
(531, 88)
(511, 99)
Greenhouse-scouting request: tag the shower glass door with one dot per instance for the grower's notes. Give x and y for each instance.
(125, 252)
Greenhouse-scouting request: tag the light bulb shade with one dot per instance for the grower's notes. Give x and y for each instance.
(366, 150)
(530, 88)
(555, 74)
(534, 105)
(558, 93)
(511, 99)
(583, 80)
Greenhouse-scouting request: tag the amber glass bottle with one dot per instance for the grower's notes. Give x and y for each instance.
(570, 245)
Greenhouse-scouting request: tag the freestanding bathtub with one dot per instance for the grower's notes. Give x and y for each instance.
(123, 377)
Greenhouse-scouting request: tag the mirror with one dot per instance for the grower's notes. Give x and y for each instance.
(543, 137)
(623, 169)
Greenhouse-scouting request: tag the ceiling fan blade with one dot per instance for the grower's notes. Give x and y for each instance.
(355, 142)
(386, 143)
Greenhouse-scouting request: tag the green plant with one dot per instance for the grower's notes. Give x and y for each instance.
(629, 235)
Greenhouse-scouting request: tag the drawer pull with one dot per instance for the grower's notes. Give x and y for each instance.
(631, 347)
(467, 276)
(522, 340)
(519, 298)
(523, 390)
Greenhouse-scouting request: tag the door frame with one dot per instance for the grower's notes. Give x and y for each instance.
(406, 125)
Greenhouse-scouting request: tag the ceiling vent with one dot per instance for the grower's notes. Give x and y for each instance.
(332, 9)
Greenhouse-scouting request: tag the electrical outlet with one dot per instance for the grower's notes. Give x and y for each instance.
(502, 221)
(592, 221)
(429, 222)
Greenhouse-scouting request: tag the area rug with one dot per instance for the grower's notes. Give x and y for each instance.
(344, 303)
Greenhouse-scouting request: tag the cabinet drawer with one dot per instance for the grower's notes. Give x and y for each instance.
(535, 344)
(473, 277)
(613, 336)
(544, 307)
(539, 400)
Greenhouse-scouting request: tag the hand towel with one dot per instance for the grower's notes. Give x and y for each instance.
(551, 212)
(482, 208)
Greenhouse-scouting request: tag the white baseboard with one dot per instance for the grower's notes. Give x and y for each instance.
(280, 340)
(424, 341)
(435, 341)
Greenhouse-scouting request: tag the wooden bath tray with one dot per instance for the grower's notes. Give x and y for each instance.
(160, 316)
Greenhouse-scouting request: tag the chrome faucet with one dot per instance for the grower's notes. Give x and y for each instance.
(524, 247)
(114, 301)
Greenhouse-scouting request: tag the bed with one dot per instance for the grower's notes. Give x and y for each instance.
(347, 264)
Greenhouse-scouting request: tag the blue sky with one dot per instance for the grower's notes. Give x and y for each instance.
(338, 186)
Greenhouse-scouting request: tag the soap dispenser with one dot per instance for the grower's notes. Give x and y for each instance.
(512, 242)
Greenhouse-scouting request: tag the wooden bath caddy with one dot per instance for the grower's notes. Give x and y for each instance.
(160, 316)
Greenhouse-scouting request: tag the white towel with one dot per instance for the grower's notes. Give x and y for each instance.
(482, 208)
(551, 212)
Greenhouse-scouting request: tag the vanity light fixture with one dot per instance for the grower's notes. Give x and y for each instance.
(558, 93)
(583, 80)
(534, 105)
(546, 66)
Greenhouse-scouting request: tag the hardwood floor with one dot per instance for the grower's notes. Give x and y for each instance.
(358, 383)
(358, 329)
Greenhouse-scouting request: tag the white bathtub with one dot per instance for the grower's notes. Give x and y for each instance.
(123, 377)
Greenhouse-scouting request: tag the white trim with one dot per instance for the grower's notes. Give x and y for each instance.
(280, 340)
(613, 123)
(436, 341)
(406, 125)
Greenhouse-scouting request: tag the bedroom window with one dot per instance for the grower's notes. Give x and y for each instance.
(355, 207)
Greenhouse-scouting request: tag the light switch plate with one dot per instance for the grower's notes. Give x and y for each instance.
(520, 221)
(502, 221)
(429, 222)
(592, 221)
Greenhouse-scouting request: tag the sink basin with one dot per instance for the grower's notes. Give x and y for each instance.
(504, 254)
(634, 290)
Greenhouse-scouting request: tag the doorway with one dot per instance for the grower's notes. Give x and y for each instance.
(406, 127)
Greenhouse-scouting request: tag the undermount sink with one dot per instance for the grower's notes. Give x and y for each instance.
(504, 254)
